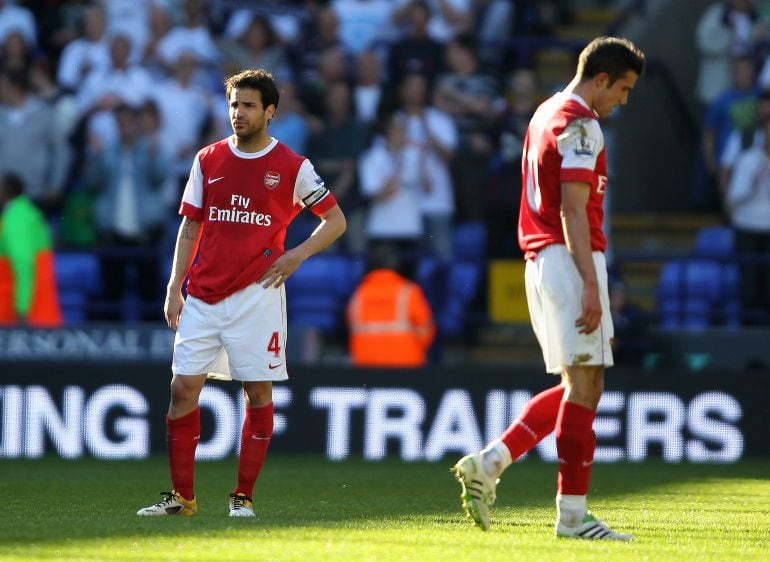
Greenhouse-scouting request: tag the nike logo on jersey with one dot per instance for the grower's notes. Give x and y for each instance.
(212, 180)
(271, 366)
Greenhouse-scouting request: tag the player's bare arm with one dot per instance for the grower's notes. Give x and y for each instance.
(577, 234)
(333, 225)
(186, 243)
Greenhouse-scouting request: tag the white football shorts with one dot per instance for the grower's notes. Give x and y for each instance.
(241, 337)
(554, 297)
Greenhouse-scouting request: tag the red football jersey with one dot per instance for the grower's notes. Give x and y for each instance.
(245, 201)
(564, 143)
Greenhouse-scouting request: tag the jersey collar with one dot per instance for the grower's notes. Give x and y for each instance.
(573, 96)
(577, 98)
(249, 155)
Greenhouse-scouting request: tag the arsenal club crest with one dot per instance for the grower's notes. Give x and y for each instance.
(272, 179)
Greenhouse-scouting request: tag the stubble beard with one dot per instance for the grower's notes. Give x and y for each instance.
(249, 135)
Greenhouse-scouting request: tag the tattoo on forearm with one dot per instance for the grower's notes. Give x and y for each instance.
(187, 233)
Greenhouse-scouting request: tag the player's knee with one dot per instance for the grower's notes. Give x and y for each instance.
(584, 386)
(184, 390)
(258, 394)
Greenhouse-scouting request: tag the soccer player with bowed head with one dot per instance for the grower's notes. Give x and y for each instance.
(564, 178)
(242, 193)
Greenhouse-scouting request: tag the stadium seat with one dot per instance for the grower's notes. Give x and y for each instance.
(427, 270)
(714, 242)
(73, 306)
(451, 288)
(461, 285)
(320, 310)
(463, 280)
(469, 241)
(78, 271)
(730, 296)
(691, 294)
(78, 277)
(317, 292)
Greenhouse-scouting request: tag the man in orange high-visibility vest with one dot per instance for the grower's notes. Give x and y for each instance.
(389, 319)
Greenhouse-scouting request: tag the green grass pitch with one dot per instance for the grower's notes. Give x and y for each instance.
(310, 509)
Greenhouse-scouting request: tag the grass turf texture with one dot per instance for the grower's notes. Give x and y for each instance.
(310, 509)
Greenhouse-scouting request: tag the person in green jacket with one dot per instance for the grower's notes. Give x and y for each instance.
(28, 292)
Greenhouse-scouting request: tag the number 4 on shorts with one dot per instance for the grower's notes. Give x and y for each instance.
(275, 345)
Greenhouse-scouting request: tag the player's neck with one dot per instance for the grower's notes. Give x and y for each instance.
(256, 143)
(584, 89)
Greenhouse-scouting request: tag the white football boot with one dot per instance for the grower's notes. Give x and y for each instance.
(478, 488)
(591, 528)
(241, 505)
(171, 504)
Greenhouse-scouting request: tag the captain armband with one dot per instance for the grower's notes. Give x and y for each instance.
(315, 196)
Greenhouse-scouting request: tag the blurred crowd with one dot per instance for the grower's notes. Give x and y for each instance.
(413, 112)
(733, 38)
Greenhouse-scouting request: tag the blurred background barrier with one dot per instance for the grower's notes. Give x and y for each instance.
(116, 410)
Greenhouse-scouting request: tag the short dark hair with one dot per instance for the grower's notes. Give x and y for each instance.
(383, 255)
(467, 42)
(421, 4)
(126, 108)
(18, 78)
(613, 55)
(259, 80)
(11, 184)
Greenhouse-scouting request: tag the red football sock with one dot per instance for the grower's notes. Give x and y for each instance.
(255, 438)
(182, 438)
(535, 422)
(575, 443)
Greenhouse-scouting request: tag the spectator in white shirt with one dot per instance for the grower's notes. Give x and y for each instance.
(87, 53)
(31, 143)
(161, 24)
(739, 141)
(431, 140)
(17, 18)
(193, 36)
(103, 90)
(748, 206)
(367, 90)
(129, 18)
(183, 108)
(364, 22)
(447, 17)
(257, 47)
(392, 186)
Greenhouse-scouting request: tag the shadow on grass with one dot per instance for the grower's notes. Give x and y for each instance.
(90, 499)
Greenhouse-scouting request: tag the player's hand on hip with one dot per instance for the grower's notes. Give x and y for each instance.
(172, 308)
(277, 273)
(591, 316)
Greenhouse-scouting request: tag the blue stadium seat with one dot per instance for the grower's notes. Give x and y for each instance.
(317, 292)
(462, 281)
(688, 313)
(730, 298)
(78, 277)
(426, 271)
(469, 241)
(73, 306)
(714, 242)
(320, 310)
(79, 271)
(691, 294)
(451, 288)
